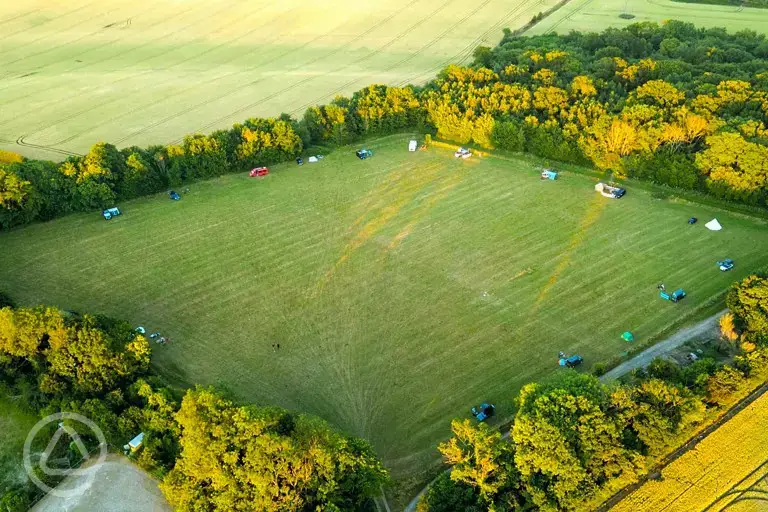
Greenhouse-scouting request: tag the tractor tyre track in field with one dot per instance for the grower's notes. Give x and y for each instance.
(84, 66)
(468, 48)
(20, 142)
(741, 492)
(19, 16)
(402, 61)
(689, 445)
(69, 117)
(575, 10)
(192, 87)
(374, 53)
(57, 47)
(5, 36)
(341, 68)
(267, 98)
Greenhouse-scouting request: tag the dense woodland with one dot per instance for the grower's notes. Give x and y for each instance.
(670, 104)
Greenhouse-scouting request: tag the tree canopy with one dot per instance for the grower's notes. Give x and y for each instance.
(673, 104)
(265, 459)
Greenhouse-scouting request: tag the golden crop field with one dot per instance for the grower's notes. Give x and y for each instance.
(598, 15)
(726, 471)
(139, 72)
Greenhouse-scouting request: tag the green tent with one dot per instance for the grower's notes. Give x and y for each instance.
(627, 336)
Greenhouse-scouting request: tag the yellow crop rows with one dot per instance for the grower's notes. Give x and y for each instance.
(725, 470)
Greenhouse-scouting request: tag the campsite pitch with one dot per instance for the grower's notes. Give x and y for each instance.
(143, 72)
(402, 289)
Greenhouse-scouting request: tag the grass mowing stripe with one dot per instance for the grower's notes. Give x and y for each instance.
(402, 338)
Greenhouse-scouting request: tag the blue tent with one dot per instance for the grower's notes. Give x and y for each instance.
(548, 174)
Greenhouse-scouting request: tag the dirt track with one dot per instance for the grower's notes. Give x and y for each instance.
(705, 327)
(643, 359)
(118, 486)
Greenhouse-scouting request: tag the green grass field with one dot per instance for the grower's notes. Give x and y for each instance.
(14, 427)
(150, 71)
(402, 289)
(597, 15)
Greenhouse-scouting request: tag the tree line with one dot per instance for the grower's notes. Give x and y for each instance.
(670, 104)
(211, 452)
(574, 441)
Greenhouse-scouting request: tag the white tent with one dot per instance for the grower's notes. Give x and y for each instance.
(713, 225)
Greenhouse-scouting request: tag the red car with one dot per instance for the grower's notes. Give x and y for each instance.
(258, 172)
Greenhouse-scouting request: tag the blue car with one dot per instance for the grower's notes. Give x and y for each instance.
(725, 265)
(483, 412)
(570, 362)
(174, 195)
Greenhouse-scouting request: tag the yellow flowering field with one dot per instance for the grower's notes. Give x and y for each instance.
(728, 469)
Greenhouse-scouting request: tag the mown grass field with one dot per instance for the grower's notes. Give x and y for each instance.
(402, 289)
(150, 71)
(15, 424)
(597, 15)
(726, 471)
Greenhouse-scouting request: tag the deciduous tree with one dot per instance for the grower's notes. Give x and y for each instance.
(264, 459)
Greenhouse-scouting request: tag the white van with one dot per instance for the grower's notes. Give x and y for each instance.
(412, 145)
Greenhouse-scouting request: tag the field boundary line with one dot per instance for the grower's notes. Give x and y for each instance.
(546, 14)
(691, 443)
(467, 50)
(357, 37)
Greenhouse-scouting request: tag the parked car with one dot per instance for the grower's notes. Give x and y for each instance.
(725, 265)
(258, 172)
(462, 153)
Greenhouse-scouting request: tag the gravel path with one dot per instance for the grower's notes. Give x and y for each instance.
(117, 486)
(641, 360)
(705, 327)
